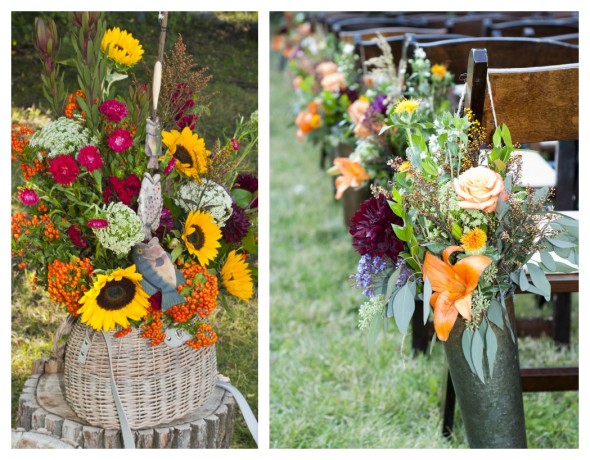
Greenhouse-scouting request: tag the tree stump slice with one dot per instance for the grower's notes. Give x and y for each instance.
(45, 420)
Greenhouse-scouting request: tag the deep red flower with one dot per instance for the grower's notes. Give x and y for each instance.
(64, 169)
(236, 226)
(124, 190)
(114, 110)
(235, 144)
(371, 229)
(156, 301)
(246, 182)
(28, 196)
(90, 158)
(120, 140)
(76, 236)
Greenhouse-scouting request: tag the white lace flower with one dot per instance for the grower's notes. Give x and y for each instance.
(419, 53)
(206, 196)
(370, 309)
(124, 230)
(63, 135)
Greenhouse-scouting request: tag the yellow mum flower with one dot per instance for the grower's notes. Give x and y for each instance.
(474, 241)
(121, 47)
(407, 105)
(192, 158)
(115, 298)
(405, 166)
(201, 236)
(438, 70)
(236, 278)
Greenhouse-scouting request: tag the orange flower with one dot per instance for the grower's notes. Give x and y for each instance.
(323, 69)
(334, 82)
(357, 111)
(438, 70)
(308, 120)
(479, 188)
(452, 286)
(352, 175)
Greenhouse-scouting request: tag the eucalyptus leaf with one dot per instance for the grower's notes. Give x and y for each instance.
(540, 280)
(561, 243)
(508, 184)
(547, 260)
(373, 333)
(477, 356)
(466, 340)
(427, 293)
(495, 313)
(541, 193)
(391, 283)
(403, 306)
(523, 282)
(491, 349)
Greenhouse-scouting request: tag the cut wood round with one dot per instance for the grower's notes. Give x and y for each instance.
(44, 413)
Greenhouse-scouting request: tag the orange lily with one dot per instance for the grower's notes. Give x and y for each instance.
(352, 175)
(452, 286)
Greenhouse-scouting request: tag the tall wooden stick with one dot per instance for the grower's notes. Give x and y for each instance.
(158, 66)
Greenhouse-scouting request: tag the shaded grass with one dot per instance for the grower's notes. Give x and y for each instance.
(326, 390)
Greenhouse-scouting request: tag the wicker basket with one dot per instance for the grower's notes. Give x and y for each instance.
(156, 385)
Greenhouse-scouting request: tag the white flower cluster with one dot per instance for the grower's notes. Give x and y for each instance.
(369, 310)
(124, 230)
(63, 135)
(365, 151)
(206, 196)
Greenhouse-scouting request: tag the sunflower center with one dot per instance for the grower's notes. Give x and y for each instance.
(197, 238)
(183, 155)
(116, 295)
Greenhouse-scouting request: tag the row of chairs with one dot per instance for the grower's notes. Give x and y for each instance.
(529, 63)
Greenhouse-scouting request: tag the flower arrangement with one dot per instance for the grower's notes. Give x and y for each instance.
(456, 232)
(120, 242)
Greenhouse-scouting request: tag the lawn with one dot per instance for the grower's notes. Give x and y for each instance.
(326, 389)
(223, 43)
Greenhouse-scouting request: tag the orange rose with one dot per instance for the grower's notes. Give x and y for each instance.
(357, 111)
(334, 81)
(324, 69)
(297, 82)
(479, 188)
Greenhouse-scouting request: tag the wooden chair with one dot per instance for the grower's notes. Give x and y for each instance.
(531, 28)
(371, 22)
(368, 35)
(538, 103)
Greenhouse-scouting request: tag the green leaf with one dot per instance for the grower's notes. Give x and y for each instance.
(561, 243)
(427, 293)
(523, 282)
(429, 166)
(505, 132)
(499, 164)
(491, 349)
(477, 355)
(401, 232)
(403, 307)
(547, 260)
(508, 184)
(466, 340)
(242, 197)
(541, 194)
(457, 231)
(496, 139)
(540, 280)
(495, 313)
(373, 333)
(391, 283)
(176, 252)
(397, 197)
(398, 210)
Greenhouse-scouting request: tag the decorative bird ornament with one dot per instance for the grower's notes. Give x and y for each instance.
(150, 203)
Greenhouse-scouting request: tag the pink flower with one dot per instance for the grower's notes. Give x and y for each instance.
(64, 169)
(97, 223)
(120, 140)
(334, 82)
(235, 144)
(28, 196)
(479, 188)
(170, 166)
(90, 158)
(114, 110)
(357, 111)
(324, 69)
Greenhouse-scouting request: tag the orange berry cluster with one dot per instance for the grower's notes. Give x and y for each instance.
(19, 138)
(72, 105)
(122, 332)
(67, 281)
(203, 297)
(21, 224)
(133, 131)
(154, 329)
(204, 337)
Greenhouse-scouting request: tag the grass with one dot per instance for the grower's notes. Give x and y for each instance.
(326, 390)
(228, 45)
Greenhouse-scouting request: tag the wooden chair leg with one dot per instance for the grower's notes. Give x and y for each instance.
(420, 336)
(448, 406)
(562, 320)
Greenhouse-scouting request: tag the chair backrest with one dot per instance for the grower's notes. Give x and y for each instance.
(367, 35)
(371, 22)
(536, 103)
(573, 39)
(531, 28)
(503, 52)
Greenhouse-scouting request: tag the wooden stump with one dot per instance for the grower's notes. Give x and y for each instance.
(45, 420)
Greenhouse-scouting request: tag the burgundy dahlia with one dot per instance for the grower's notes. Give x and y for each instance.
(120, 140)
(124, 190)
(114, 110)
(64, 169)
(76, 236)
(371, 229)
(246, 182)
(236, 226)
(90, 158)
(28, 196)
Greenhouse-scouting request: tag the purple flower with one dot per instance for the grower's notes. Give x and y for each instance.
(378, 104)
(246, 182)
(90, 158)
(370, 274)
(235, 144)
(352, 94)
(97, 223)
(166, 223)
(114, 110)
(28, 196)
(76, 236)
(236, 226)
(120, 140)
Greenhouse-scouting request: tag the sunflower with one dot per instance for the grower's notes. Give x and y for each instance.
(189, 151)
(116, 297)
(121, 47)
(236, 277)
(201, 236)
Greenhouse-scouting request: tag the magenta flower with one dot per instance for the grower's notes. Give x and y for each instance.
(97, 223)
(120, 140)
(114, 110)
(170, 166)
(76, 236)
(235, 144)
(64, 169)
(90, 158)
(28, 196)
